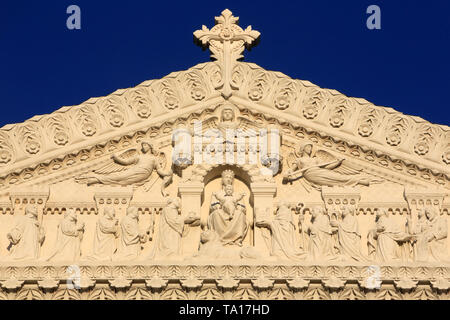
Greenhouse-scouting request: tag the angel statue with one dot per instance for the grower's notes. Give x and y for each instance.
(132, 168)
(320, 168)
(229, 123)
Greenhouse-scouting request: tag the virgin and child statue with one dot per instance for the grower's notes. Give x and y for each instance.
(227, 216)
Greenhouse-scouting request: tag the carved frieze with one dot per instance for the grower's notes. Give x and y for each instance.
(280, 190)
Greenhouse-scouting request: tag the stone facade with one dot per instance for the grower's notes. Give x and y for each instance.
(225, 181)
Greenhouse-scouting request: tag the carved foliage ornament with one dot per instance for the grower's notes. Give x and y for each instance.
(313, 103)
(369, 119)
(139, 101)
(226, 41)
(58, 129)
(425, 139)
(259, 85)
(30, 137)
(169, 94)
(339, 110)
(396, 130)
(195, 85)
(286, 95)
(112, 110)
(86, 120)
(6, 149)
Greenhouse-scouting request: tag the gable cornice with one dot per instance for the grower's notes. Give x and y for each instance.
(381, 129)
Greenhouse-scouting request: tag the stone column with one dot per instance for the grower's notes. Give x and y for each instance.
(419, 198)
(263, 194)
(119, 198)
(191, 202)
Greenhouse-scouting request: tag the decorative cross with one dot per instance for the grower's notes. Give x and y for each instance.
(227, 42)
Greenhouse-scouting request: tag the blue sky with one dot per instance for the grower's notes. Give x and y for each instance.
(44, 66)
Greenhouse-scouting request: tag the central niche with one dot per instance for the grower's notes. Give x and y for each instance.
(224, 219)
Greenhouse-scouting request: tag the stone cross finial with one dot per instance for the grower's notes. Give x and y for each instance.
(226, 41)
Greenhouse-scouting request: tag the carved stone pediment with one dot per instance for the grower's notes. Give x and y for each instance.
(224, 181)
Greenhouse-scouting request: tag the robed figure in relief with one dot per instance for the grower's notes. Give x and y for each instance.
(171, 229)
(431, 237)
(283, 241)
(132, 237)
(68, 240)
(319, 168)
(106, 233)
(349, 237)
(26, 237)
(320, 234)
(386, 240)
(132, 167)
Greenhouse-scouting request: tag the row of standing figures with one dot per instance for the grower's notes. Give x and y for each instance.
(113, 240)
(321, 239)
(335, 236)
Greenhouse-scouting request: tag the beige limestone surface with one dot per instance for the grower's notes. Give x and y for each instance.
(349, 201)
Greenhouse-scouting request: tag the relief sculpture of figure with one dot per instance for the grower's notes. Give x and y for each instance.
(132, 237)
(283, 240)
(302, 227)
(320, 236)
(320, 168)
(387, 238)
(26, 237)
(431, 238)
(349, 238)
(419, 248)
(171, 228)
(106, 233)
(68, 240)
(231, 231)
(228, 201)
(228, 121)
(132, 167)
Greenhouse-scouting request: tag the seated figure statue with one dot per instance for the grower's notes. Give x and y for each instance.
(386, 239)
(230, 229)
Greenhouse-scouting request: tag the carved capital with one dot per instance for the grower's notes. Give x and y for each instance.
(190, 188)
(418, 198)
(264, 189)
(338, 196)
(119, 197)
(22, 197)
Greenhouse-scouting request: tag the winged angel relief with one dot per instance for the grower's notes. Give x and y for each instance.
(132, 167)
(319, 168)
